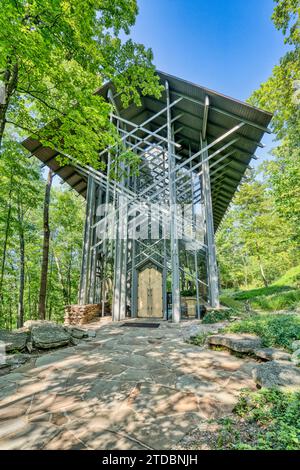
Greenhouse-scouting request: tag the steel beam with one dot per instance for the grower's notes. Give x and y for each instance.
(209, 224)
(173, 218)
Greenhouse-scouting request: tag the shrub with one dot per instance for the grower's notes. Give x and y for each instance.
(275, 330)
(278, 416)
(198, 340)
(215, 316)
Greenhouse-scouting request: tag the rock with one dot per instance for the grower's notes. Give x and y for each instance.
(296, 345)
(243, 343)
(29, 346)
(49, 335)
(14, 340)
(78, 333)
(29, 324)
(272, 354)
(296, 357)
(282, 375)
(74, 341)
(17, 359)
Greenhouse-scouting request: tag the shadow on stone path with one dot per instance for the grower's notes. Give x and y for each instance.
(127, 388)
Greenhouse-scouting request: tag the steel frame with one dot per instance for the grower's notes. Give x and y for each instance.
(110, 265)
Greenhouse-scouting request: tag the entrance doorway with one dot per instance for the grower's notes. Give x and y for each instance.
(150, 302)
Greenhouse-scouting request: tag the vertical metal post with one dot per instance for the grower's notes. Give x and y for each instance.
(164, 234)
(106, 229)
(87, 239)
(194, 233)
(134, 278)
(213, 281)
(173, 221)
(94, 251)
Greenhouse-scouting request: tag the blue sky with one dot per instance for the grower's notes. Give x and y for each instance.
(229, 46)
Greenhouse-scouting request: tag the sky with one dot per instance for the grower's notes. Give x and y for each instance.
(229, 46)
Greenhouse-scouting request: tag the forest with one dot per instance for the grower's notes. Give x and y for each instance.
(53, 57)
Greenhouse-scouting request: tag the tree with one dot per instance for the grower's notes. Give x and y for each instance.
(254, 243)
(46, 246)
(20, 185)
(54, 54)
(280, 94)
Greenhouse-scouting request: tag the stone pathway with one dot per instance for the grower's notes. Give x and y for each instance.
(125, 388)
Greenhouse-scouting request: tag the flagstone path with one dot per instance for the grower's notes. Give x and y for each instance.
(126, 388)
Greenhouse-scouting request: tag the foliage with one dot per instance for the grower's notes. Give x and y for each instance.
(274, 330)
(283, 301)
(280, 94)
(198, 340)
(278, 416)
(255, 245)
(22, 187)
(215, 316)
(259, 238)
(281, 295)
(188, 293)
(54, 55)
(290, 278)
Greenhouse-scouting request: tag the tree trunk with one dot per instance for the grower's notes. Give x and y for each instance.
(61, 279)
(5, 240)
(46, 243)
(10, 84)
(266, 284)
(20, 319)
(265, 281)
(69, 285)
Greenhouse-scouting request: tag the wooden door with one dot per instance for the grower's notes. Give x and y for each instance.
(150, 293)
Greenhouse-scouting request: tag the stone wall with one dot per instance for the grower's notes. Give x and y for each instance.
(81, 314)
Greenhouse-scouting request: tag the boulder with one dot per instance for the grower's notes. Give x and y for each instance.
(296, 357)
(272, 354)
(29, 346)
(48, 335)
(277, 374)
(242, 343)
(29, 324)
(296, 345)
(77, 333)
(14, 340)
(12, 361)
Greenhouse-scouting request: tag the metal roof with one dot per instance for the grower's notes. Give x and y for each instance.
(223, 114)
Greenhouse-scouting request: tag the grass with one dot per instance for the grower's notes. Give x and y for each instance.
(282, 301)
(230, 302)
(284, 294)
(290, 278)
(274, 330)
(261, 291)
